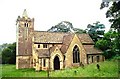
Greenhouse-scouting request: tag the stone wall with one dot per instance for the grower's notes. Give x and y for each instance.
(58, 53)
(69, 53)
(94, 59)
(23, 62)
(24, 37)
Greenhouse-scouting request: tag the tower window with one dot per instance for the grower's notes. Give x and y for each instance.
(76, 55)
(44, 45)
(26, 24)
(38, 46)
(44, 63)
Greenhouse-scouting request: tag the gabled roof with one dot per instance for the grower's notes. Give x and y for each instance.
(90, 49)
(48, 37)
(59, 37)
(66, 42)
(45, 52)
(85, 39)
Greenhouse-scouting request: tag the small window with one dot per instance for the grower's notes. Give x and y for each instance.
(38, 46)
(92, 59)
(97, 58)
(64, 57)
(88, 60)
(44, 45)
(44, 63)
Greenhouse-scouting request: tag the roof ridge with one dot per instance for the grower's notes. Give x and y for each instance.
(53, 32)
(61, 32)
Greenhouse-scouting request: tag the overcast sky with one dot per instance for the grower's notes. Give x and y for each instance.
(48, 13)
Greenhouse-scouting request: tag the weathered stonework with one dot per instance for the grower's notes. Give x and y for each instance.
(58, 53)
(25, 28)
(69, 53)
(51, 50)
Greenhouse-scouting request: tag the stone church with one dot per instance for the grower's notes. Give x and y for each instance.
(44, 50)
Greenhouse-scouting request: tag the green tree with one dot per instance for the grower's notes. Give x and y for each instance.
(108, 44)
(65, 26)
(79, 31)
(113, 13)
(9, 54)
(3, 46)
(96, 30)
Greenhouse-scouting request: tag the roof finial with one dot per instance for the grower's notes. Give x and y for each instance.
(25, 14)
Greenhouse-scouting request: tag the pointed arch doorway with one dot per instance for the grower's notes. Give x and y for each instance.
(56, 63)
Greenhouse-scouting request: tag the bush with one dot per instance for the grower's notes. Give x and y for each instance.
(9, 54)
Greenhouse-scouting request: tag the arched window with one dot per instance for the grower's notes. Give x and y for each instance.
(26, 31)
(26, 24)
(76, 54)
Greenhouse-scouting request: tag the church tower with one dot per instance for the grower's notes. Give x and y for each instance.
(24, 35)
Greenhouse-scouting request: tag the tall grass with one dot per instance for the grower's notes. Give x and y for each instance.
(107, 69)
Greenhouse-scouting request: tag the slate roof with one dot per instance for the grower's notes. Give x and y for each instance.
(64, 39)
(85, 39)
(48, 37)
(42, 53)
(66, 42)
(90, 49)
(45, 52)
(58, 37)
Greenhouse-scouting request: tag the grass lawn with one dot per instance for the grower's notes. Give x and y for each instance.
(107, 69)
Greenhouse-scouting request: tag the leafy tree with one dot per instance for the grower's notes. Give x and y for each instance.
(113, 14)
(79, 31)
(65, 26)
(9, 54)
(104, 4)
(108, 44)
(3, 46)
(96, 30)
(103, 44)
